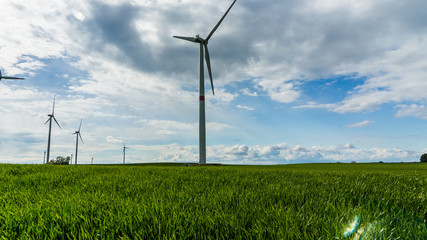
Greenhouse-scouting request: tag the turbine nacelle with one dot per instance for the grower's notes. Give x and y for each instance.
(198, 39)
(52, 115)
(78, 132)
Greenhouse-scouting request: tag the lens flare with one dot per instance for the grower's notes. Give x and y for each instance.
(352, 227)
(356, 231)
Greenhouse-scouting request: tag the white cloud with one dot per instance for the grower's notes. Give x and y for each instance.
(31, 29)
(317, 44)
(175, 125)
(112, 139)
(217, 127)
(221, 96)
(348, 146)
(166, 132)
(398, 77)
(167, 124)
(79, 16)
(245, 107)
(329, 106)
(284, 92)
(360, 124)
(299, 148)
(413, 110)
(281, 153)
(248, 92)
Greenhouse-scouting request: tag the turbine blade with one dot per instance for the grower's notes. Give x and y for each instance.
(6, 77)
(80, 137)
(80, 124)
(191, 39)
(47, 121)
(17, 78)
(208, 63)
(217, 25)
(53, 108)
(56, 121)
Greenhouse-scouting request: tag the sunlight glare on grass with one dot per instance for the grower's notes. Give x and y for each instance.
(358, 231)
(352, 227)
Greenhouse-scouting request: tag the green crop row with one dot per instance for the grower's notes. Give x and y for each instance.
(310, 201)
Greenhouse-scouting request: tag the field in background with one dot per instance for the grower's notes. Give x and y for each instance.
(307, 201)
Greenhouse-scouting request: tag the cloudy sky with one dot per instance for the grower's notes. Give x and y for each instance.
(295, 80)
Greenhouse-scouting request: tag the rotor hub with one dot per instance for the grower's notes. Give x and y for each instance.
(197, 38)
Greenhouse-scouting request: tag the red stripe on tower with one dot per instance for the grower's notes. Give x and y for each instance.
(202, 98)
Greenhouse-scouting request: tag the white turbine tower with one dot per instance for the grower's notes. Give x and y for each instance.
(6, 77)
(124, 152)
(202, 121)
(51, 116)
(77, 140)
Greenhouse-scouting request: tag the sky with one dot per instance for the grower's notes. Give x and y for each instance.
(296, 81)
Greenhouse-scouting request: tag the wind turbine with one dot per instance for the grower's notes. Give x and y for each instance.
(6, 77)
(202, 120)
(51, 116)
(77, 140)
(124, 152)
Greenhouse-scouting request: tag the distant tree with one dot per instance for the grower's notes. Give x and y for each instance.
(423, 158)
(60, 160)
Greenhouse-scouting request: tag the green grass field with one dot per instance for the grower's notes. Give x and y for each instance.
(307, 201)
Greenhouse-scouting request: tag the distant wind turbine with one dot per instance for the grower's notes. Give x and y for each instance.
(51, 116)
(124, 152)
(202, 121)
(6, 77)
(77, 140)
